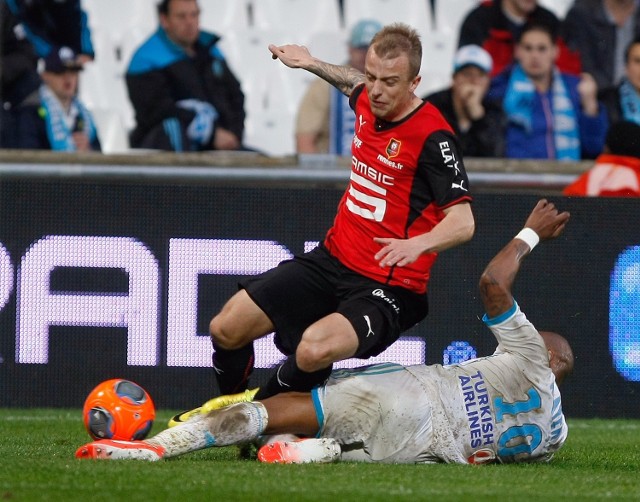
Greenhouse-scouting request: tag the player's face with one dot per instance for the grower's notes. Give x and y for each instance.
(536, 53)
(63, 85)
(182, 22)
(633, 66)
(389, 86)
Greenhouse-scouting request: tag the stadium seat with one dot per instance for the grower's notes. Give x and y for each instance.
(299, 18)
(271, 89)
(330, 46)
(102, 83)
(119, 17)
(441, 43)
(416, 13)
(271, 110)
(247, 51)
(113, 134)
(437, 61)
(224, 16)
(270, 131)
(118, 27)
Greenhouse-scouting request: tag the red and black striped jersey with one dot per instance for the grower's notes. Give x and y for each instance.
(403, 174)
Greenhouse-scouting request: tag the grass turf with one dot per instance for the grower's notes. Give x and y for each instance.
(601, 460)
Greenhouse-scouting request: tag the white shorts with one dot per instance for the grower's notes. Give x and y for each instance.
(379, 413)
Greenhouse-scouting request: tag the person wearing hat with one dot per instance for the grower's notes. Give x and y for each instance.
(474, 118)
(616, 171)
(325, 121)
(54, 118)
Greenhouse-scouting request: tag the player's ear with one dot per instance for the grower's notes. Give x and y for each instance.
(414, 83)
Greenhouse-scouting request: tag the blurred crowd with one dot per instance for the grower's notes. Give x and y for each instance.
(525, 82)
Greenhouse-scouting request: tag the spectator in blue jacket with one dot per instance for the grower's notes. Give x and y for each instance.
(184, 95)
(54, 118)
(549, 114)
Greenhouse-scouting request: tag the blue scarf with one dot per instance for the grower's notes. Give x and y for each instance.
(201, 127)
(58, 131)
(519, 102)
(629, 102)
(341, 124)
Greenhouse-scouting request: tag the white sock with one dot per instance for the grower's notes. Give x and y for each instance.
(236, 424)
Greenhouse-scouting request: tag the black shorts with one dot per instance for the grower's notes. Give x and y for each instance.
(300, 291)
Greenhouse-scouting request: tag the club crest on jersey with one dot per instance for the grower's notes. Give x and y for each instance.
(393, 148)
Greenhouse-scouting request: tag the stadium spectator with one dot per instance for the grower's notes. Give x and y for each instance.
(600, 31)
(495, 25)
(184, 95)
(54, 118)
(52, 24)
(550, 115)
(616, 172)
(408, 200)
(474, 118)
(19, 75)
(325, 122)
(623, 101)
(502, 408)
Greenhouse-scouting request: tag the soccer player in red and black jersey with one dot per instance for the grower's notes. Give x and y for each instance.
(408, 199)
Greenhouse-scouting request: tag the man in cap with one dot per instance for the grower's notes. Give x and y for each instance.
(53, 118)
(325, 121)
(474, 118)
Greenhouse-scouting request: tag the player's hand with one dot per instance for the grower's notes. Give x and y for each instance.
(546, 220)
(400, 252)
(293, 56)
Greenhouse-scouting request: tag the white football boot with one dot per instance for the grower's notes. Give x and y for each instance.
(111, 449)
(303, 451)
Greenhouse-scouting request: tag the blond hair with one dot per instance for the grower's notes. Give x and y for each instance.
(396, 39)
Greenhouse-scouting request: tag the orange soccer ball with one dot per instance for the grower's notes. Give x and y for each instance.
(118, 409)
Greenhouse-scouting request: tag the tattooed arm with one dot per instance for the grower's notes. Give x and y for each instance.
(344, 78)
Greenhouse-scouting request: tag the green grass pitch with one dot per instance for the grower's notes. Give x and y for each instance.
(600, 461)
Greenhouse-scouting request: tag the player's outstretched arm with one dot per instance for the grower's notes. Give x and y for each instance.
(343, 77)
(544, 222)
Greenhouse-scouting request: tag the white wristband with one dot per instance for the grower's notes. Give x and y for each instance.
(529, 236)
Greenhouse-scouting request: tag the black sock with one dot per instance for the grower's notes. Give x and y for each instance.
(289, 377)
(233, 368)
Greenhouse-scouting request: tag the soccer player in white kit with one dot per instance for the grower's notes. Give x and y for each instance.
(505, 407)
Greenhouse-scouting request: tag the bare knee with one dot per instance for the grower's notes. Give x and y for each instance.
(223, 334)
(312, 356)
(239, 322)
(325, 342)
